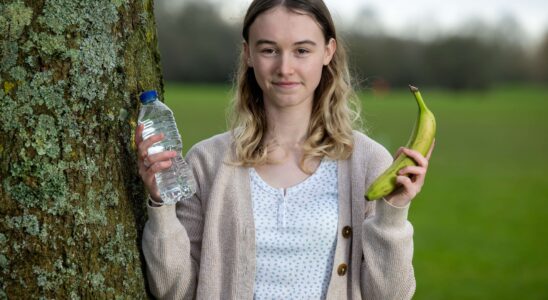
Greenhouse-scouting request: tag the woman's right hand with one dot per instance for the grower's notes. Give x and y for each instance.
(149, 165)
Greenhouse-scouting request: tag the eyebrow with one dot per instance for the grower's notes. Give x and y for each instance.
(303, 42)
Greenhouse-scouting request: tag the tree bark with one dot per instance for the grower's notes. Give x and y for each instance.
(72, 206)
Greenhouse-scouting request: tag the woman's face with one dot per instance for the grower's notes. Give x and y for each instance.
(287, 52)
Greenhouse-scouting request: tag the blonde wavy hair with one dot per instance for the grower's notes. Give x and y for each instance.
(335, 110)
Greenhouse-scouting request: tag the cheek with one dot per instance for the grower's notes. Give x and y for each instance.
(259, 76)
(263, 71)
(259, 68)
(315, 73)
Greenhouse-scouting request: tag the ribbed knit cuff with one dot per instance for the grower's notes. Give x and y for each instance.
(163, 220)
(387, 214)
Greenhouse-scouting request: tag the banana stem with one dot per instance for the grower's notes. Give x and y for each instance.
(413, 89)
(418, 97)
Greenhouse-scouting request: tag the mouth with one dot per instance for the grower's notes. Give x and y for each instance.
(286, 84)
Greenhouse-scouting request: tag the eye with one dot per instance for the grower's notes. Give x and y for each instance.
(269, 51)
(302, 51)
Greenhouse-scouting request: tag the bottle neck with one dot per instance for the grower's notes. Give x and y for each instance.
(150, 102)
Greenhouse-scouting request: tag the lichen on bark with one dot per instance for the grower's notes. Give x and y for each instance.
(72, 205)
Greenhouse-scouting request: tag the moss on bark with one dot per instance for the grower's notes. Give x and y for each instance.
(72, 205)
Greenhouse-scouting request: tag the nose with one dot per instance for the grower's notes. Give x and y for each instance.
(285, 64)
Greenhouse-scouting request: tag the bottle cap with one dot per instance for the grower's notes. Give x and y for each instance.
(148, 96)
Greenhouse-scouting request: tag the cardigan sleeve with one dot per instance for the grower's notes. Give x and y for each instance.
(171, 263)
(172, 241)
(387, 241)
(386, 235)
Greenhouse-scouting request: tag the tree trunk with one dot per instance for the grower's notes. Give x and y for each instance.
(72, 205)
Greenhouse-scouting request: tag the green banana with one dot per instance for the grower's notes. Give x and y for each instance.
(420, 140)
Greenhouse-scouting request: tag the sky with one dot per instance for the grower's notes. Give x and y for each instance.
(397, 16)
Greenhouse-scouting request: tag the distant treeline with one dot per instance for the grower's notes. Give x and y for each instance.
(197, 45)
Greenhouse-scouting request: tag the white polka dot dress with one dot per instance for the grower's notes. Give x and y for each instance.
(296, 235)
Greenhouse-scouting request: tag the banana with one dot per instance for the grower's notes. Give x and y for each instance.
(421, 139)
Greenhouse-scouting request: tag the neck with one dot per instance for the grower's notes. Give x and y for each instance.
(287, 128)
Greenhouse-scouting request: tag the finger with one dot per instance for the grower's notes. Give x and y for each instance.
(150, 183)
(416, 174)
(139, 134)
(143, 147)
(143, 172)
(146, 176)
(416, 156)
(430, 150)
(412, 170)
(158, 157)
(146, 162)
(409, 187)
(399, 152)
(159, 166)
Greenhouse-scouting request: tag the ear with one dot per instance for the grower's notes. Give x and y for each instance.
(247, 55)
(330, 49)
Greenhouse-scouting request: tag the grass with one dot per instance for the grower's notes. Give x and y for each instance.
(481, 219)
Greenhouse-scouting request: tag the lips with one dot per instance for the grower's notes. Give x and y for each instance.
(286, 84)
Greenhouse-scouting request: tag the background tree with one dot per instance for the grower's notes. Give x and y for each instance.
(197, 44)
(72, 204)
(542, 61)
(459, 62)
(201, 44)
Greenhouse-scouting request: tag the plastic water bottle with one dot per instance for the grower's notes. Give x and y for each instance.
(177, 182)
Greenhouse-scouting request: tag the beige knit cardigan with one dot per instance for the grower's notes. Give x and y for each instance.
(204, 247)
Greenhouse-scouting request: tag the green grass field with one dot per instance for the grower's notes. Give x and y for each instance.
(481, 223)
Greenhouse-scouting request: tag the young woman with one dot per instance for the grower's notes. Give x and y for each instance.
(279, 211)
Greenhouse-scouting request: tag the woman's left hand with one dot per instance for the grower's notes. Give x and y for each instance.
(410, 179)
